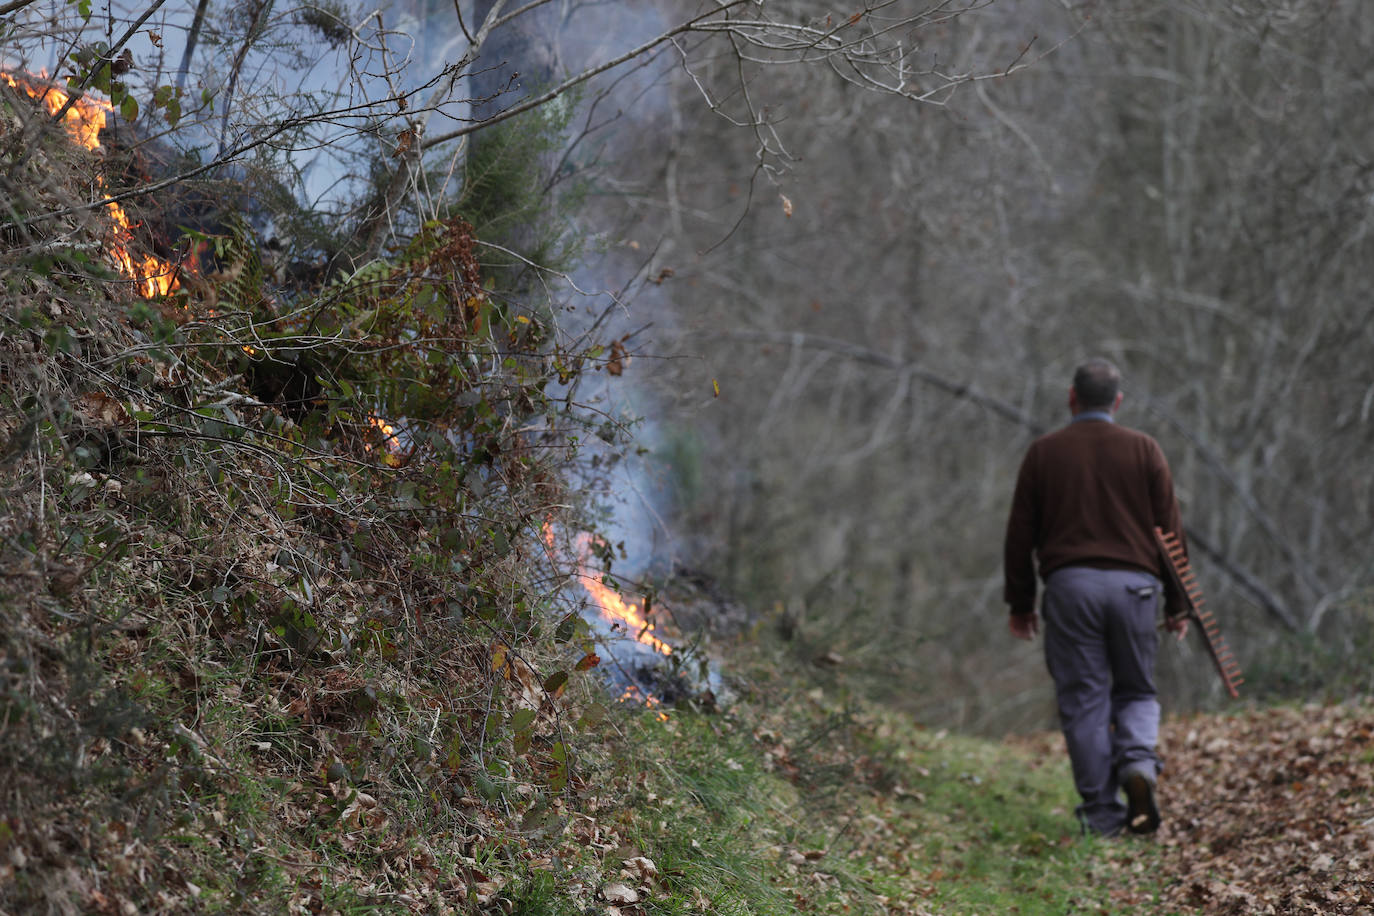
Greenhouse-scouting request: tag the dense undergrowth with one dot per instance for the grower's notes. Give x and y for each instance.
(277, 563)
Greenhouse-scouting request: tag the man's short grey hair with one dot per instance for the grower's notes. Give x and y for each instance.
(1096, 383)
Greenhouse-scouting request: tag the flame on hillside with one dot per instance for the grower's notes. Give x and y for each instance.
(633, 694)
(84, 120)
(632, 616)
(629, 616)
(387, 430)
(391, 442)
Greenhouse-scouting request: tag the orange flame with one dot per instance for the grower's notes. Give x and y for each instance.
(390, 441)
(629, 615)
(386, 429)
(614, 608)
(634, 694)
(84, 120)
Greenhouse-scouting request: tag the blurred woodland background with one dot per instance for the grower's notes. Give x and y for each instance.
(1182, 188)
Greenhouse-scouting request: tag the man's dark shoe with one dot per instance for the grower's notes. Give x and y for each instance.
(1142, 814)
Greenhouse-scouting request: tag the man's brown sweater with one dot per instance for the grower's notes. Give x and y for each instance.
(1089, 494)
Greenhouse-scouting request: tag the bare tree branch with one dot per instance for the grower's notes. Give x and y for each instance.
(574, 81)
(15, 6)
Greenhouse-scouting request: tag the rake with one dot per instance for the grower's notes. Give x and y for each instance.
(1184, 584)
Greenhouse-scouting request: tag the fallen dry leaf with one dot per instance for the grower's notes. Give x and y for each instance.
(615, 892)
(642, 868)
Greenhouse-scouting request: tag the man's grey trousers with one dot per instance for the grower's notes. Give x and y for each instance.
(1100, 647)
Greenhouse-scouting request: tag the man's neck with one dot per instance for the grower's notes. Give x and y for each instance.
(1095, 413)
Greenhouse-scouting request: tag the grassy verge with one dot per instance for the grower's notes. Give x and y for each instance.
(808, 801)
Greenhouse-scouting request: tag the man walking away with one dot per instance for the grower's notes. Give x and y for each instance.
(1087, 500)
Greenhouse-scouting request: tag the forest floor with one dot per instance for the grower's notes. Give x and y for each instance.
(1270, 811)
(814, 802)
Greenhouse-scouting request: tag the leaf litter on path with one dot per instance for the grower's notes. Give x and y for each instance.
(1270, 811)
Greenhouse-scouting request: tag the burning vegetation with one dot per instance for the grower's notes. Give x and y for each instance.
(632, 618)
(84, 117)
(320, 586)
(623, 626)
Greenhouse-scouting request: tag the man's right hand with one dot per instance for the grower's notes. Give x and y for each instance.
(1177, 625)
(1024, 626)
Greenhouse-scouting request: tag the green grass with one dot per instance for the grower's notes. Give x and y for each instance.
(702, 814)
(860, 811)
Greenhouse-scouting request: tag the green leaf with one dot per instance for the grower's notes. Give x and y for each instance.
(554, 683)
(567, 628)
(522, 719)
(129, 108)
(101, 79)
(558, 779)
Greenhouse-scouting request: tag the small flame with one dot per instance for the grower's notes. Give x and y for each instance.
(84, 120)
(633, 694)
(613, 606)
(390, 441)
(631, 616)
(386, 429)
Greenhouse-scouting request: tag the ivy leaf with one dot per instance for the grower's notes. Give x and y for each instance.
(555, 683)
(567, 628)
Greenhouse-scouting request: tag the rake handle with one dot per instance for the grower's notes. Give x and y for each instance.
(1183, 582)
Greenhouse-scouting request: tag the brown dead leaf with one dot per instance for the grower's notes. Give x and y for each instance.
(642, 868)
(619, 358)
(615, 892)
(486, 891)
(102, 410)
